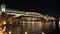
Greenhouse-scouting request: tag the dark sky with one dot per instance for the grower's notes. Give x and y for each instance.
(52, 8)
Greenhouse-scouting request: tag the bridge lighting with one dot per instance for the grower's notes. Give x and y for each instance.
(27, 13)
(17, 14)
(59, 23)
(8, 13)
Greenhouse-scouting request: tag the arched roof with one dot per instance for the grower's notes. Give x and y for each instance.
(24, 13)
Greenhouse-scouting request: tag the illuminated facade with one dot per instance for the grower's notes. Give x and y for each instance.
(25, 21)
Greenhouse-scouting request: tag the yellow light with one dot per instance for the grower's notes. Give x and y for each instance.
(25, 32)
(9, 32)
(8, 13)
(4, 23)
(42, 33)
(33, 18)
(29, 18)
(27, 13)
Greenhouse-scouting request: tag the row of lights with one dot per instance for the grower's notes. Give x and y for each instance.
(41, 33)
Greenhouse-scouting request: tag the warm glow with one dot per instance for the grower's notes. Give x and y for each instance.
(1, 32)
(34, 18)
(29, 18)
(9, 32)
(4, 23)
(8, 13)
(27, 13)
(32, 22)
(17, 15)
(25, 32)
(42, 33)
(59, 23)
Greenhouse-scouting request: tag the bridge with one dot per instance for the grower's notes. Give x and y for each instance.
(21, 18)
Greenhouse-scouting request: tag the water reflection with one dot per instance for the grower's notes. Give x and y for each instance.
(29, 28)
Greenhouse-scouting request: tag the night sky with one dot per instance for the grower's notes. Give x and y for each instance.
(52, 8)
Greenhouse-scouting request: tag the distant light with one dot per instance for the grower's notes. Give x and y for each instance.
(32, 22)
(17, 14)
(25, 32)
(9, 32)
(42, 33)
(59, 23)
(27, 13)
(33, 18)
(8, 13)
(4, 23)
(29, 18)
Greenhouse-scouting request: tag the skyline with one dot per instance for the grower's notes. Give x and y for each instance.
(44, 7)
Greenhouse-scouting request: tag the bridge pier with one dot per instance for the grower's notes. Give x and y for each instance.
(56, 26)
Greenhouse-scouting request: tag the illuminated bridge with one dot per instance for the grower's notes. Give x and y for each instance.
(17, 22)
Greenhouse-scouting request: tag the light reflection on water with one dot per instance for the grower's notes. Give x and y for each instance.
(30, 28)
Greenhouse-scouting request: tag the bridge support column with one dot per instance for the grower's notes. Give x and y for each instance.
(57, 26)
